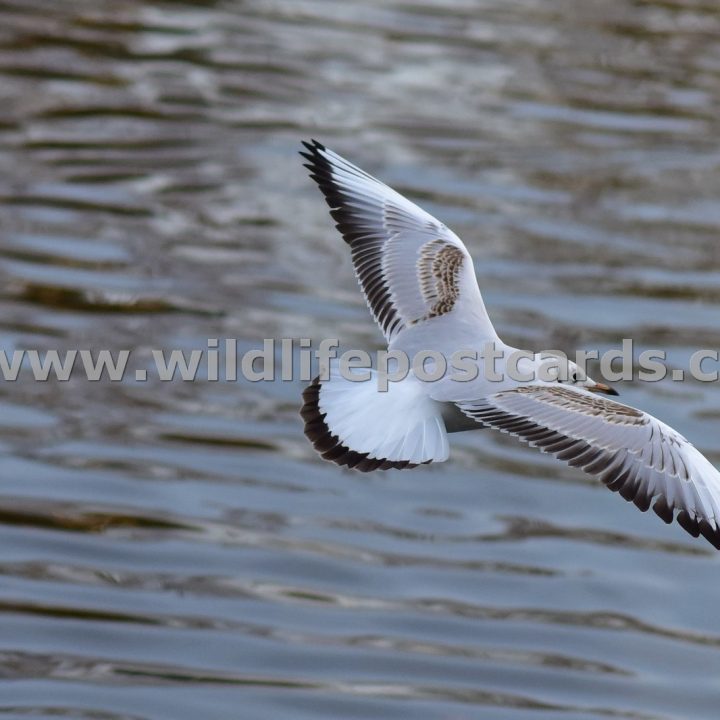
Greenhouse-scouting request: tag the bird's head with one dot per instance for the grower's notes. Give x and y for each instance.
(565, 372)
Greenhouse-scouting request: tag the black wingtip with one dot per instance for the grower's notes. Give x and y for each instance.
(316, 162)
(313, 146)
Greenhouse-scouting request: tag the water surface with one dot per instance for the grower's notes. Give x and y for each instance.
(176, 550)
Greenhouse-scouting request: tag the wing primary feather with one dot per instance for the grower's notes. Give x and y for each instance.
(663, 511)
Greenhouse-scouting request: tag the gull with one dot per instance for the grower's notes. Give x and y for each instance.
(419, 283)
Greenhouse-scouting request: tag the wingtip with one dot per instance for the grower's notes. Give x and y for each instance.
(312, 145)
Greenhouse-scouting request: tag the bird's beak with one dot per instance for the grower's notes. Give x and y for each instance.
(606, 389)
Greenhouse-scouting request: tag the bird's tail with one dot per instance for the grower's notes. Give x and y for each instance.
(354, 424)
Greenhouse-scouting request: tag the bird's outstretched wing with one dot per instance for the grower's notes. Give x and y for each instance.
(411, 268)
(632, 452)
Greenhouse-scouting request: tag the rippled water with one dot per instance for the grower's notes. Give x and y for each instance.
(176, 550)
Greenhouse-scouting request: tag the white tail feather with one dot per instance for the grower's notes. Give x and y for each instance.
(401, 425)
(354, 424)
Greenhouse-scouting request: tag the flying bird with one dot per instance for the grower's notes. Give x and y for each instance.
(419, 283)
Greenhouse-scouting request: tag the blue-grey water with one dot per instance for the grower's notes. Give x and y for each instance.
(175, 551)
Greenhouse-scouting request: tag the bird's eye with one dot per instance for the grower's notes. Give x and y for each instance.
(574, 377)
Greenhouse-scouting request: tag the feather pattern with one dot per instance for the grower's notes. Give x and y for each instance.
(411, 268)
(631, 452)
